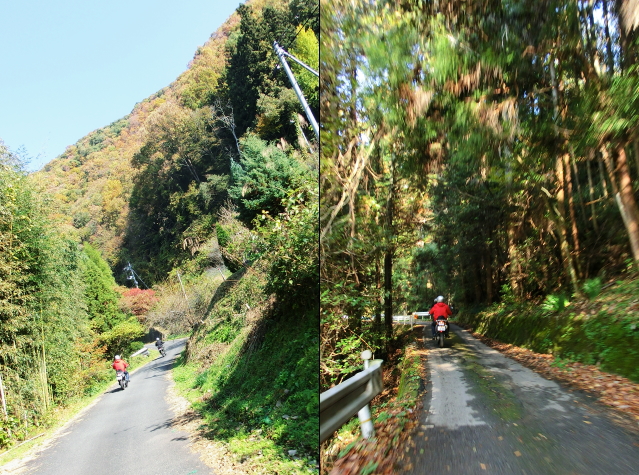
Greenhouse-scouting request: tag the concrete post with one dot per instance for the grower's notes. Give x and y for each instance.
(364, 414)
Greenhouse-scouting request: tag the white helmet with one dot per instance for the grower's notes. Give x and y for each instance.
(440, 299)
(117, 357)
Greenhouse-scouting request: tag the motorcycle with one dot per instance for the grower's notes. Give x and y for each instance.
(441, 331)
(162, 351)
(122, 381)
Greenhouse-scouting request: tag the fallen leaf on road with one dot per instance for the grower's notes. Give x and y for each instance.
(617, 392)
(483, 467)
(517, 453)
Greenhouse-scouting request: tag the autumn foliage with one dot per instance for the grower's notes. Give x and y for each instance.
(138, 301)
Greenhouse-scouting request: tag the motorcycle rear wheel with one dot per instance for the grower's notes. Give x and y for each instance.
(122, 384)
(441, 340)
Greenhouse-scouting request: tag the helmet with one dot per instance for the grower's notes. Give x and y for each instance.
(440, 299)
(117, 357)
(157, 339)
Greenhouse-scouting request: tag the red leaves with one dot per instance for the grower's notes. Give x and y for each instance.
(138, 301)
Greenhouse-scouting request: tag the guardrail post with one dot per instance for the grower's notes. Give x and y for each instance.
(364, 414)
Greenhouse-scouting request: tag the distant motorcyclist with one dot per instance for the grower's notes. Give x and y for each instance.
(159, 343)
(440, 309)
(120, 365)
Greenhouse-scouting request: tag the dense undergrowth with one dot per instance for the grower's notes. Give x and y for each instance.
(394, 412)
(251, 372)
(603, 330)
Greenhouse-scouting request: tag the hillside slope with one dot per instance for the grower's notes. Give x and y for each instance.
(92, 181)
(147, 187)
(217, 174)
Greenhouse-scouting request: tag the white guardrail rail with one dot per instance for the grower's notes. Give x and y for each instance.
(415, 318)
(340, 403)
(144, 351)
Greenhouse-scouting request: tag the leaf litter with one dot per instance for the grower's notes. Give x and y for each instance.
(394, 425)
(612, 390)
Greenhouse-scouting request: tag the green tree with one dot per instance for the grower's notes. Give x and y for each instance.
(264, 177)
(100, 294)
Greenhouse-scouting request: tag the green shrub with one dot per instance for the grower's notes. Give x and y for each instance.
(592, 287)
(554, 303)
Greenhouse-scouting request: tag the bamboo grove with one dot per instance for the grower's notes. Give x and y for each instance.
(60, 316)
(480, 150)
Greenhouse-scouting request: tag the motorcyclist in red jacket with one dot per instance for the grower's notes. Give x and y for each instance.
(440, 309)
(120, 365)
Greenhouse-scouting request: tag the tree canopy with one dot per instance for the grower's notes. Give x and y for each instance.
(479, 151)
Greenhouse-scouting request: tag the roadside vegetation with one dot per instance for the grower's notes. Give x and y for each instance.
(205, 197)
(394, 412)
(61, 316)
(601, 329)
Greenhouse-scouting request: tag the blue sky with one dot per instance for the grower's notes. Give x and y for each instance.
(70, 67)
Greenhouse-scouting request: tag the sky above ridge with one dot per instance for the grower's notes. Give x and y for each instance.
(73, 66)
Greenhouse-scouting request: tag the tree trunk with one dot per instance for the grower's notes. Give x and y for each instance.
(635, 149)
(624, 196)
(388, 258)
(627, 198)
(561, 226)
(591, 190)
(602, 177)
(378, 282)
(489, 276)
(610, 61)
(575, 170)
(478, 267)
(388, 294)
(573, 216)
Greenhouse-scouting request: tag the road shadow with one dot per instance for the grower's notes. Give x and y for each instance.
(116, 390)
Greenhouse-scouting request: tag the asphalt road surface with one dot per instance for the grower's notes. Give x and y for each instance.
(126, 432)
(487, 414)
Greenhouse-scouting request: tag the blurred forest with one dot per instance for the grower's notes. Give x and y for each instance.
(209, 175)
(485, 151)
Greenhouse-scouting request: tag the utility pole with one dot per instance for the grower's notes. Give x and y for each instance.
(131, 275)
(185, 298)
(309, 114)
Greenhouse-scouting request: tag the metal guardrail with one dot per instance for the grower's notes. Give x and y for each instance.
(340, 403)
(144, 351)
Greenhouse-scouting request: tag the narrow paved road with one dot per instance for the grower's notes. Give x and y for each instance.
(126, 432)
(487, 414)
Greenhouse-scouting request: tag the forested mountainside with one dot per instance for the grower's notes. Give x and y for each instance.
(483, 151)
(216, 174)
(146, 188)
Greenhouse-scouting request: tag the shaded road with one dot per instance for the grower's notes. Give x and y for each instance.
(125, 432)
(485, 413)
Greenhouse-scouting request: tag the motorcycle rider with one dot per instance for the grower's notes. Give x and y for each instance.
(120, 365)
(158, 343)
(440, 309)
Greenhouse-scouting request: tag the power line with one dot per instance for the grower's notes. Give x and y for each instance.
(303, 26)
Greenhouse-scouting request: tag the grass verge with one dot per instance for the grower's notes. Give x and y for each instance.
(394, 414)
(251, 376)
